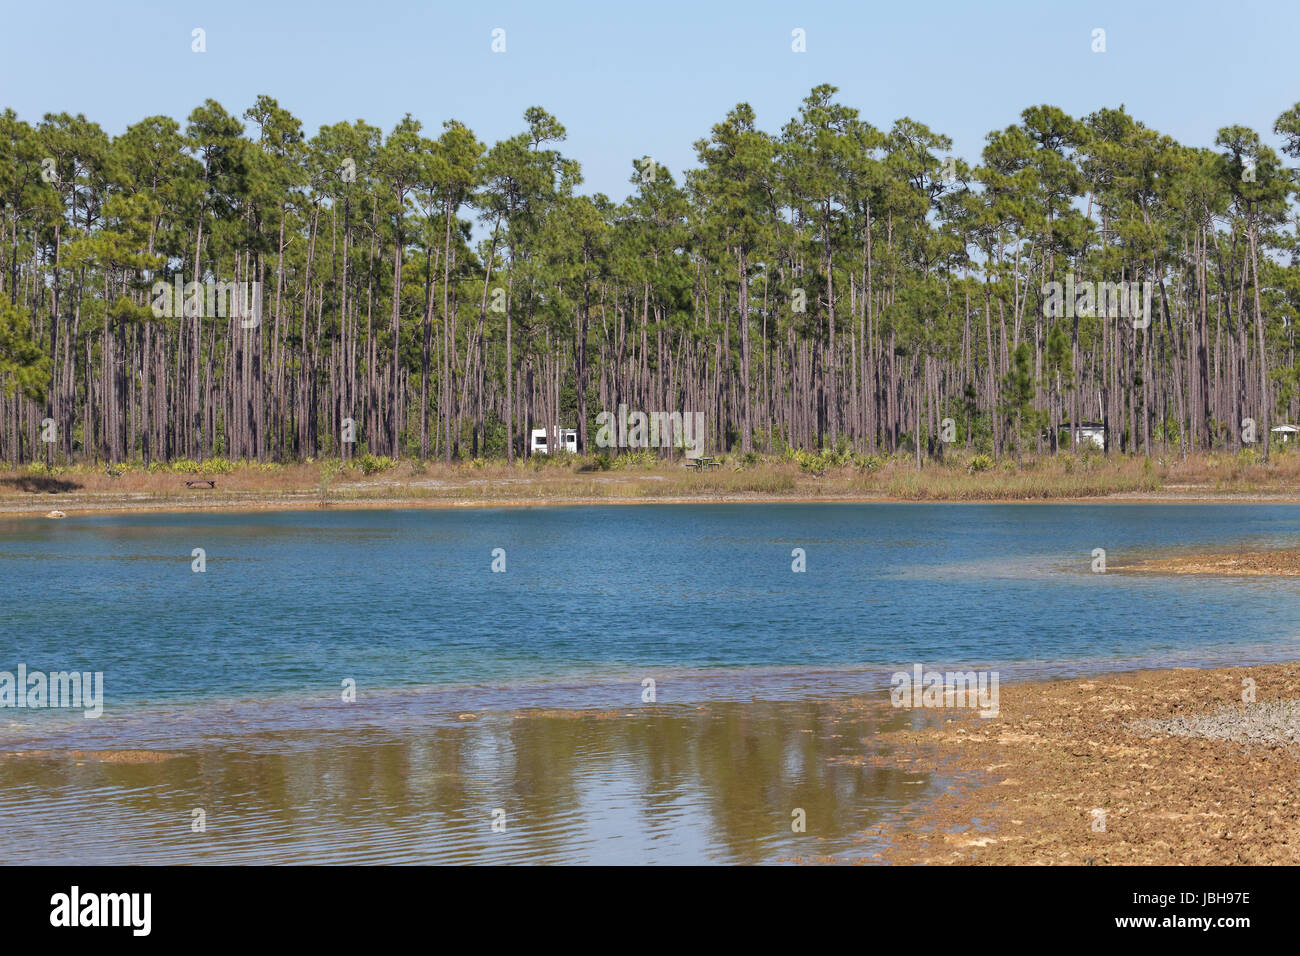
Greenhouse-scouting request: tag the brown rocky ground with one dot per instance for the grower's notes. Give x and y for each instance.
(1029, 780)
(1283, 563)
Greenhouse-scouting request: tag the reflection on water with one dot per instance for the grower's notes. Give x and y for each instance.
(235, 672)
(661, 784)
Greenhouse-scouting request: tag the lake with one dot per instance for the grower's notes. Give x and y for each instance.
(527, 690)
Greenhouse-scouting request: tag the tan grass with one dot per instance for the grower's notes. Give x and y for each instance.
(956, 478)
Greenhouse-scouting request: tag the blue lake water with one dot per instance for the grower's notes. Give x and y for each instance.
(297, 601)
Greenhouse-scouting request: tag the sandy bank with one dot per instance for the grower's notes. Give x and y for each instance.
(1153, 767)
(1250, 563)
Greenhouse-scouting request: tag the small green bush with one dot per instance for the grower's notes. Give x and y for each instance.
(217, 466)
(636, 459)
(373, 464)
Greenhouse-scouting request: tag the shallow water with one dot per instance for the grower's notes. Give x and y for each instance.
(674, 784)
(237, 671)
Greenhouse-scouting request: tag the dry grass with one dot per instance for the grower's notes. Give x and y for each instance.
(959, 477)
(1225, 471)
(161, 484)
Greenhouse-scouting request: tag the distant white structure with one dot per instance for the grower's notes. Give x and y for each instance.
(568, 440)
(1285, 433)
(1089, 432)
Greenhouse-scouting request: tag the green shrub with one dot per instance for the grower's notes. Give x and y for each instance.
(818, 463)
(372, 464)
(636, 459)
(217, 466)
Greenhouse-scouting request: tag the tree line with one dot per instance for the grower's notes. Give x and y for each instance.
(829, 285)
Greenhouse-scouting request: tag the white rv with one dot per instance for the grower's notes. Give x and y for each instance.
(568, 440)
(1086, 433)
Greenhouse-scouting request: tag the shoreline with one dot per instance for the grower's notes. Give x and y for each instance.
(1072, 772)
(33, 508)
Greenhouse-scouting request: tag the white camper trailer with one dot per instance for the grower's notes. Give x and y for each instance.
(1085, 433)
(568, 441)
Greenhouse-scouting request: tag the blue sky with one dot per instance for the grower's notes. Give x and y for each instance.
(635, 79)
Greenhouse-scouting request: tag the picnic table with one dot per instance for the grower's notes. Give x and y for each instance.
(197, 482)
(702, 463)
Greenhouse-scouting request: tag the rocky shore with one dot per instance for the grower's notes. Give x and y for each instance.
(1173, 767)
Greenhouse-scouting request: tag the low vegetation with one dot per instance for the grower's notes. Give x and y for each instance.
(797, 475)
